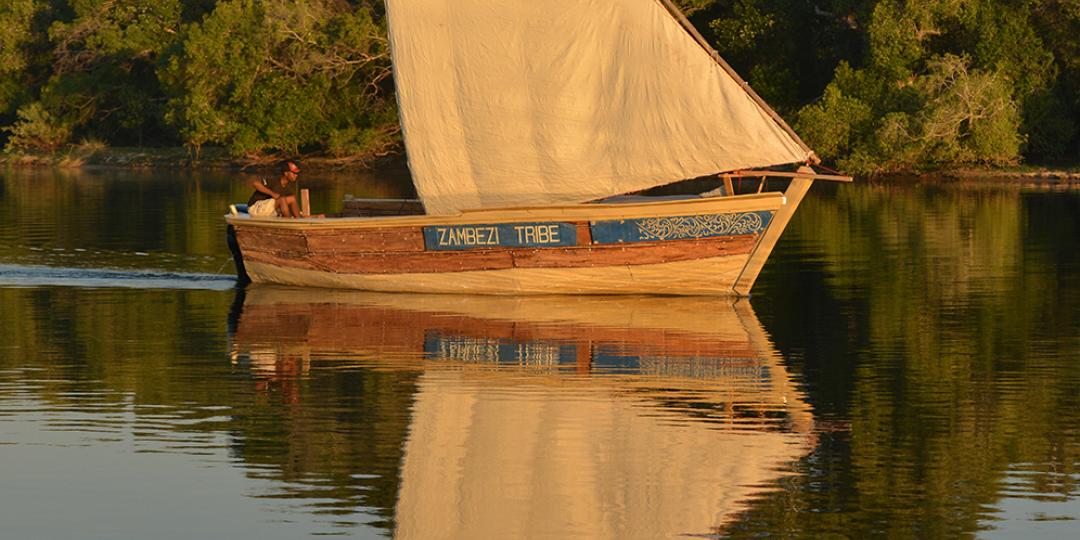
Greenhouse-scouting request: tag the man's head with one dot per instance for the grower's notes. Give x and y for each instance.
(290, 170)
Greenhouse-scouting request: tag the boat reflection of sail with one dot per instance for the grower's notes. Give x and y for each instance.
(628, 417)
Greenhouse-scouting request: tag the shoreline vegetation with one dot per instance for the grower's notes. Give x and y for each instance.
(876, 88)
(179, 158)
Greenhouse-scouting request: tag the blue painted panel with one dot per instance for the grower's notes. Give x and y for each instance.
(479, 236)
(680, 227)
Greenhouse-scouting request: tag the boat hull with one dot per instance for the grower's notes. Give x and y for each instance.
(713, 276)
(701, 246)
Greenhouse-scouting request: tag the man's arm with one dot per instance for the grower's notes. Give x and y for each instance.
(258, 185)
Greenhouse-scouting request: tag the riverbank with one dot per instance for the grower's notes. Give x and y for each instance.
(1053, 179)
(1024, 172)
(211, 158)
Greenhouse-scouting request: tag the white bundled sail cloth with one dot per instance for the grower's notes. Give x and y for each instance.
(538, 102)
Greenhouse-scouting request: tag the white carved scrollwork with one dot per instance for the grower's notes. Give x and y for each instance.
(674, 228)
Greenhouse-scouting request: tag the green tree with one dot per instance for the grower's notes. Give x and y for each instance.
(864, 81)
(1053, 114)
(945, 84)
(785, 50)
(100, 80)
(24, 53)
(283, 75)
(872, 85)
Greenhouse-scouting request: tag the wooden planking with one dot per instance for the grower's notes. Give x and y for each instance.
(715, 276)
(634, 254)
(365, 240)
(274, 240)
(578, 212)
(282, 260)
(794, 195)
(421, 262)
(390, 263)
(806, 174)
(584, 234)
(336, 241)
(396, 262)
(381, 207)
(330, 240)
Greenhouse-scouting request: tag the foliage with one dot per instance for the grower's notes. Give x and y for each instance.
(969, 116)
(102, 68)
(948, 84)
(254, 76)
(886, 85)
(873, 86)
(785, 50)
(285, 75)
(16, 18)
(38, 129)
(23, 50)
(951, 115)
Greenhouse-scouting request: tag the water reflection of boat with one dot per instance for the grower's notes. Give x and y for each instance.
(557, 416)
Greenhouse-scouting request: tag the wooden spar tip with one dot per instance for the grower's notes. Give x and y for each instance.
(780, 174)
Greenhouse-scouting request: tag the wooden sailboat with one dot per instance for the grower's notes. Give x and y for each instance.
(597, 417)
(525, 126)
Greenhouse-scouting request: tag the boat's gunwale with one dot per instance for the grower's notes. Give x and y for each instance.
(570, 212)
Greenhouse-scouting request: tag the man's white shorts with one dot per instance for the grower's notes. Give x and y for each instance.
(263, 208)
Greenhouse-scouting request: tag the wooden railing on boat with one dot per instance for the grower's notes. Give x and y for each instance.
(352, 207)
(356, 207)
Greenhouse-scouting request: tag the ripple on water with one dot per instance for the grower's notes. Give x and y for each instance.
(46, 276)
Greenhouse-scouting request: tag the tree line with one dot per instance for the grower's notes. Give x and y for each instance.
(872, 85)
(252, 76)
(903, 85)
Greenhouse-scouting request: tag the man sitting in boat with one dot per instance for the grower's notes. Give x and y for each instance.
(269, 199)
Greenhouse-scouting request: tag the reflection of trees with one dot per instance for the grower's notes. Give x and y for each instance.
(163, 355)
(109, 213)
(121, 342)
(338, 439)
(941, 324)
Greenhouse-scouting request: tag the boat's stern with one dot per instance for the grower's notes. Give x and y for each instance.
(236, 210)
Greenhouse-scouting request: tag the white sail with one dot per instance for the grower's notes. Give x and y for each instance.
(513, 102)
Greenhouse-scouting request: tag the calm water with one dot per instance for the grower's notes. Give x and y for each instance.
(909, 367)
